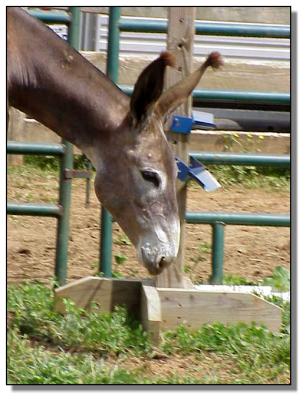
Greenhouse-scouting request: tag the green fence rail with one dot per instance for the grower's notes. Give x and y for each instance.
(241, 98)
(214, 97)
(257, 159)
(222, 29)
(45, 149)
(35, 210)
(238, 219)
(52, 17)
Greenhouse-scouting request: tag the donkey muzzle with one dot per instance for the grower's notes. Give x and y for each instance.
(156, 260)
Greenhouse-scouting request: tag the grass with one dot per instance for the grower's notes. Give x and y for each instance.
(201, 254)
(51, 163)
(279, 280)
(80, 348)
(27, 171)
(120, 259)
(45, 347)
(230, 279)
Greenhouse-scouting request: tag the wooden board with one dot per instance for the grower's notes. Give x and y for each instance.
(195, 308)
(179, 42)
(160, 309)
(151, 312)
(106, 293)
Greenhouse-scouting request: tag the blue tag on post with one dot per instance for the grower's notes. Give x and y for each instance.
(204, 178)
(181, 124)
(183, 170)
(199, 173)
(203, 120)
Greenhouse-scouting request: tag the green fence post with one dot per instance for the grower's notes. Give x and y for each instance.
(217, 253)
(66, 163)
(74, 27)
(113, 45)
(112, 72)
(106, 243)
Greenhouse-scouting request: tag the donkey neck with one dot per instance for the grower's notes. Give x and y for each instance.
(53, 83)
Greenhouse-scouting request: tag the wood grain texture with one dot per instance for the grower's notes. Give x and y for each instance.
(151, 312)
(179, 42)
(195, 308)
(103, 292)
(160, 309)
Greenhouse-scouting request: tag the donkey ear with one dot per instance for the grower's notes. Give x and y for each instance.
(149, 87)
(177, 94)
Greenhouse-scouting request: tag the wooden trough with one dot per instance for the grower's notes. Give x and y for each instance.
(161, 309)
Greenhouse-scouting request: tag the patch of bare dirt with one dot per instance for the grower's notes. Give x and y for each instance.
(252, 252)
(204, 367)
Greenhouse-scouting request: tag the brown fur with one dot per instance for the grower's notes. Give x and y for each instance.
(214, 60)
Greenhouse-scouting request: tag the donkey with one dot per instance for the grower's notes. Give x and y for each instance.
(123, 137)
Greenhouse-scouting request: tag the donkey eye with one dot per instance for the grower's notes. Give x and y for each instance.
(151, 176)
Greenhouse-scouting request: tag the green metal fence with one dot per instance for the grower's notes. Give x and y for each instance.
(112, 71)
(217, 221)
(222, 29)
(65, 153)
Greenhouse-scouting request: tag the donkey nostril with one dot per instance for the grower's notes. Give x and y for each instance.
(164, 262)
(161, 262)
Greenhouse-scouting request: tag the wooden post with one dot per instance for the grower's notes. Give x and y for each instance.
(180, 43)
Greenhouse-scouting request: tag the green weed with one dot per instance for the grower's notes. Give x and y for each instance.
(280, 279)
(120, 259)
(51, 163)
(254, 348)
(117, 275)
(31, 307)
(35, 364)
(237, 280)
(251, 176)
(123, 240)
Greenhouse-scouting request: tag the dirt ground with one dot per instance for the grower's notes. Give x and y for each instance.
(250, 252)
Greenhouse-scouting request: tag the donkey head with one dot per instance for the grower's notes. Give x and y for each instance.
(136, 179)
